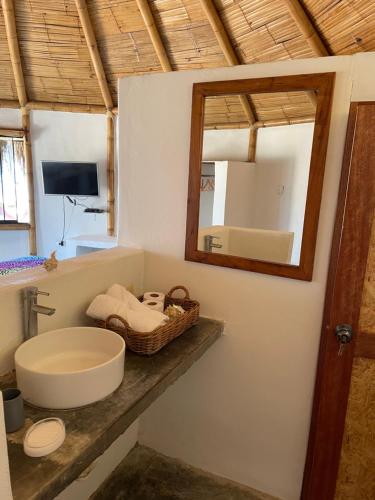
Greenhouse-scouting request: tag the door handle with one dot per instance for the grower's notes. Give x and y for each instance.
(344, 333)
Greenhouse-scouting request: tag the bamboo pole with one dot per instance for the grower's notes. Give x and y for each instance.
(228, 51)
(67, 107)
(14, 51)
(253, 135)
(30, 179)
(12, 132)
(154, 34)
(88, 31)
(110, 174)
(92, 45)
(7, 103)
(261, 123)
(94, 109)
(284, 121)
(225, 126)
(307, 28)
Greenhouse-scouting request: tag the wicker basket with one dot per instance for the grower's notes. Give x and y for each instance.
(150, 343)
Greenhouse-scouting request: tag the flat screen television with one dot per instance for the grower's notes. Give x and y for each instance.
(70, 178)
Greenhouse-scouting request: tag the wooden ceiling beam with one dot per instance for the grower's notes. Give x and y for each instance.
(92, 45)
(307, 28)
(284, 121)
(154, 34)
(7, 103)
(12, 132)
(261, 123)
(14, 50)
(94, 109)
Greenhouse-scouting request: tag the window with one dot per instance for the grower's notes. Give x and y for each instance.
(14, 200)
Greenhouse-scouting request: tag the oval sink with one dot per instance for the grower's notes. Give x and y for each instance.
(70, 367)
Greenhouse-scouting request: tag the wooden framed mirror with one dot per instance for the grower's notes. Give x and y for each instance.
(259, 211)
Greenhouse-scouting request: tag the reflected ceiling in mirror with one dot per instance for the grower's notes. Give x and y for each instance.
(256, 171)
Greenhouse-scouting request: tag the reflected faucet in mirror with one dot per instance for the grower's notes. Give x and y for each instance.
(32, 309)
(256, 171)
(209, 242)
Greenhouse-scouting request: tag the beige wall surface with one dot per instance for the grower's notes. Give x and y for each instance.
(243, 411)
(72, 286)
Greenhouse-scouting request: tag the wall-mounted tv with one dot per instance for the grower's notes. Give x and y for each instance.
(70, 178)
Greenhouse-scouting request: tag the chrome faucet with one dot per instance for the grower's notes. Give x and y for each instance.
(209, 243)
(32, 309)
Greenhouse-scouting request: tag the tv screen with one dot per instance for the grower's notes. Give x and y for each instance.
(70, 178)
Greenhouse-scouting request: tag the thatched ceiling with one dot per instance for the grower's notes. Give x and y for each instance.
(56, 61)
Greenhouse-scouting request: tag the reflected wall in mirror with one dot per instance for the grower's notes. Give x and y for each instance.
(256, 171)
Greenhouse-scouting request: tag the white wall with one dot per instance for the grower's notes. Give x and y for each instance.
(283, 161)
(72, 287)
(62, 137)
(240, 194)
(228, 144)
(243, 410)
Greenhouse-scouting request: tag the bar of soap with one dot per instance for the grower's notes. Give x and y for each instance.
(44, 437)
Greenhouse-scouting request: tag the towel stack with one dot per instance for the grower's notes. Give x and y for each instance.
(118, 300)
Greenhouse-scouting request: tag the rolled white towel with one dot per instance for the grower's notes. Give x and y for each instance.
(119, 292)
(144, 321)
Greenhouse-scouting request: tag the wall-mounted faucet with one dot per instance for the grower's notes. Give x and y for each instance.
(209, 243)
(32, 309)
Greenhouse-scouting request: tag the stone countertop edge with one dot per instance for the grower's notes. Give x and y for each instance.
(91, 430)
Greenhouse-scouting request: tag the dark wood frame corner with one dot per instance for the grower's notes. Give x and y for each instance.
(323, 84)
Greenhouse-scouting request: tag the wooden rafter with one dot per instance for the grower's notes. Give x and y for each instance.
(12, 132)
(307, 28)
(14, 50)
(233, 60)
(94, 109)
(7, 103)
(88, 31)
(154, 34)
(15, 58)
(262, 123)
(96, 60)
(285, 121)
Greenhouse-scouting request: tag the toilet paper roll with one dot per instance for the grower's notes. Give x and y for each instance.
(155, 296)
(5, 487)
(154, 305)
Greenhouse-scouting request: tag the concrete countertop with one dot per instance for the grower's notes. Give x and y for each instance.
(91, 430)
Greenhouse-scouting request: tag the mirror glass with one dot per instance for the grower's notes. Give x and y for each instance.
(254, 174)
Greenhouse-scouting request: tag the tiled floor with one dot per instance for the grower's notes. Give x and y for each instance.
(147, 475)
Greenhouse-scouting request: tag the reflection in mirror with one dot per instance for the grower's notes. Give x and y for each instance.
(254, 174)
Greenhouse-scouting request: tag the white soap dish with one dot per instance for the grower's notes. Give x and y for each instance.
(44, 437)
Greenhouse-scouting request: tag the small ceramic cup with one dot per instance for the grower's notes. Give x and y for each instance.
(13, 409)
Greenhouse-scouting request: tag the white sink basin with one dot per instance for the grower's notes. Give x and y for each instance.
(70, 367)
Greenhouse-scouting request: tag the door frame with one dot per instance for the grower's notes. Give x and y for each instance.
(348, 261)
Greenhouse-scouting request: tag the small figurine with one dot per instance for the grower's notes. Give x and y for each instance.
(51, 263)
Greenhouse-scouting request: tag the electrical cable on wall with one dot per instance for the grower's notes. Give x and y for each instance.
(62, 241)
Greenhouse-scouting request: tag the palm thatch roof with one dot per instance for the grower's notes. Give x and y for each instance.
(142, 36)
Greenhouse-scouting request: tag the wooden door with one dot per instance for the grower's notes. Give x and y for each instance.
(340, 461)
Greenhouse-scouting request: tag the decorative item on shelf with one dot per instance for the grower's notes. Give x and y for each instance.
(174, 311)
(150, 343)
(51, 263)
